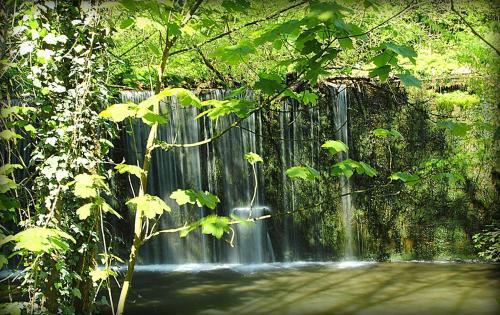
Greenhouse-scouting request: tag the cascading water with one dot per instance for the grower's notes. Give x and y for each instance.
(170, 171)
(218, 167)
(341, 123)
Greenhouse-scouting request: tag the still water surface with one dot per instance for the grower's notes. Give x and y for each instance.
(317, 288)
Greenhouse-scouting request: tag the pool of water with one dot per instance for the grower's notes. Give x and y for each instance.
(317, 288)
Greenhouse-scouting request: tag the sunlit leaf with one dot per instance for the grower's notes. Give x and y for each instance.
(151, 206)
(183, 197)
(303, 172)
(253, 158)
(39, 239)
(84, 211)
(118, 112)
(127, 23)
(381, 132)
(8, 135)
(234, 54)
(9, 168)
(335, 146)
(131, 169)
(214, 225)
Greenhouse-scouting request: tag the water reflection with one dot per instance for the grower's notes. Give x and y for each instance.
(321, 288)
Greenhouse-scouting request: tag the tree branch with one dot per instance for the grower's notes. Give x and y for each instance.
(221, 35)
(472, 29)
(210, 66)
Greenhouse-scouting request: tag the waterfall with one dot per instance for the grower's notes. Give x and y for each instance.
(218, 167)
(341, 123)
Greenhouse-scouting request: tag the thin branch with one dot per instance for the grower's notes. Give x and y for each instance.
(134, 46)
(269, 100)
(383, 23)
(472, 29)
(221, 35)
(186, 227)
(210, 66)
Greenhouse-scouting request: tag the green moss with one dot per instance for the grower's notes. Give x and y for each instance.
(456, 99)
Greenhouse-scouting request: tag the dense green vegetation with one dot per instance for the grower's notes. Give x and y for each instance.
(424, 162)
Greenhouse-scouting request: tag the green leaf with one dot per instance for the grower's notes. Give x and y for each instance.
(345, 168)
(84, 211)
(402, 50)
(108, 209)
(183, 197)
(269, 83)
(409, 80)
(39, 239)
(383, 58)
(131, 169)
(207, 199)
(6, 184)
(102, 274)
(149, 205)
(381, 72)
(214, 225)
(367, 169)
(86, 185)
(274, 32)
(76, 293)
(127, 23)
(187, 98)
(150, 118)
(7, 169)
(7, 203)
(184, 97)
(303, 172)
(309, 98)
(30, 129)
(236, 92)
(118, 112)
(240, 107)
(3, 261)
(13, 308)
(346, 43)
(234, 54)
(456, 128)
(253, 158)
(334, 146)
(453, 178)
(381, 132)
(236, 5)
(311, 46)
(8, 135)
(406, 178)
(128, 4)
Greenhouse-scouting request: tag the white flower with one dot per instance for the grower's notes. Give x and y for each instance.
(79, 48)
(44, 53)
(50, 39)
(26, 48)
(62, 38)
(51, 141)
(50, 4)
(54, 87)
